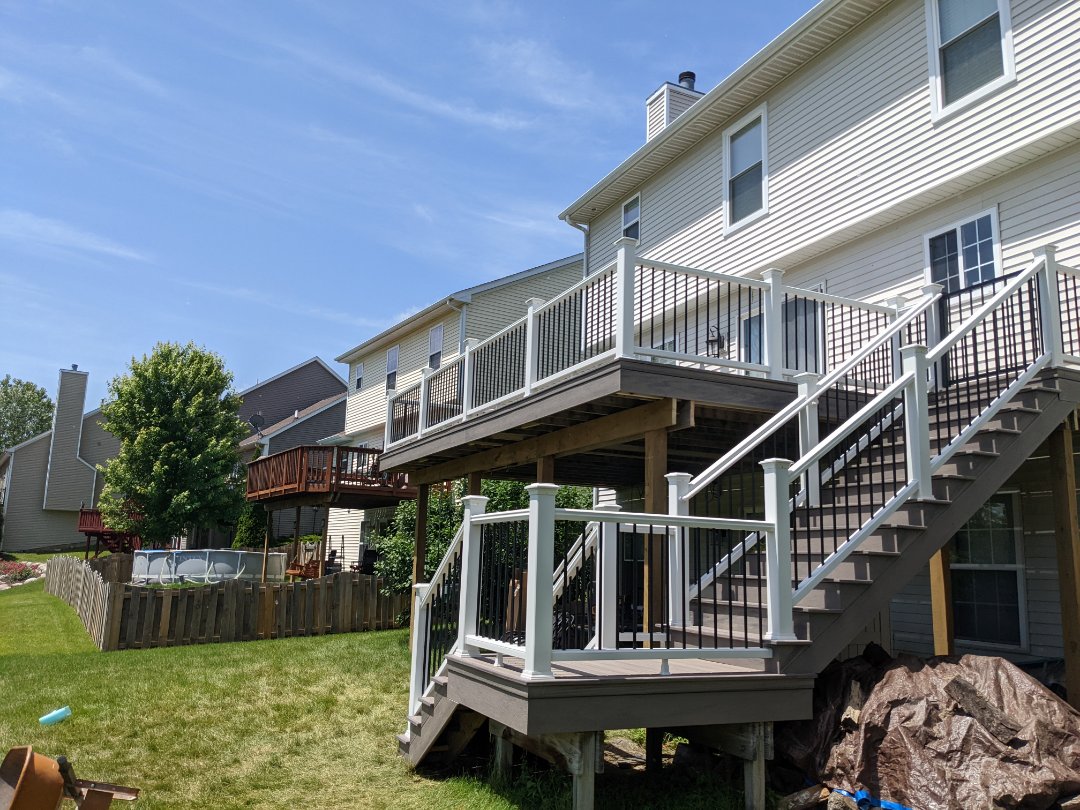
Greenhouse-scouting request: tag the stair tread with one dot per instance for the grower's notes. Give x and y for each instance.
(404, 738)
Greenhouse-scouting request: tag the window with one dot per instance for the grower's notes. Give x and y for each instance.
(358, 375)
(745, 170)
(434, 346)
(803, 332)
(970, 49)
(964, 254)
(391, 368)
(988, 576)
(631, 218)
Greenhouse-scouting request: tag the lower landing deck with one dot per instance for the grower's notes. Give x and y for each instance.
(598, 695)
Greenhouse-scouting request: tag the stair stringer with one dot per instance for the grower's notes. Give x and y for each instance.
(944, 523)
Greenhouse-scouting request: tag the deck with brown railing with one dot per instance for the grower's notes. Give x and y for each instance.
(349, 477)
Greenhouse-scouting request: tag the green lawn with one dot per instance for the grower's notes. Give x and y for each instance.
(306, 722)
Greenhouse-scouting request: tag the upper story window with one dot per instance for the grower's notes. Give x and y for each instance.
(970, 50)
(391, 368)
(631, 218)
(435, 342)
(964, 254)
(746, 169)
(358, 375)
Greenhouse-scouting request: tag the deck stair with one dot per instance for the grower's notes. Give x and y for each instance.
(764, 566)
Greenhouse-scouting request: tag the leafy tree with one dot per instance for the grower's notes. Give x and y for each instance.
(250, 526)
(25, 411)
(396, 546)
(175, 414)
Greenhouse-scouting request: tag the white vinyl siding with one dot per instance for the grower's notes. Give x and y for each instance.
(494, 309)
(852, 146)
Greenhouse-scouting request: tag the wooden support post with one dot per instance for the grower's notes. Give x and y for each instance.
(754, 771)
(296, 537)
(266, 541)
(656, 502)
(545, 470)
(503, 765)
(476, 483)
(941, 602)
(420, 555)
(1067, 538)
(585, 773)
(654, 749)
(322, 548)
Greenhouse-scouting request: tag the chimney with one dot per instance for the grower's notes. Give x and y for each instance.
(669, 102)
(74, 366)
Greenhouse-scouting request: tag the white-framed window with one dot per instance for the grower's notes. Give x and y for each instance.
(987, 573)
(391, 368)
(965, 253)
(435, 343)
(631, 217)
(803, 336)
(971, 51)
(746, 170)
(358, 375)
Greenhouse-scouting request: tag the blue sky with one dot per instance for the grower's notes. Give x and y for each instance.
(279, 180)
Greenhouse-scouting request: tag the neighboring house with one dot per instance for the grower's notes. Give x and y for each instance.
(307, 426)
(394, 360)
(48, 478)
(791, 221)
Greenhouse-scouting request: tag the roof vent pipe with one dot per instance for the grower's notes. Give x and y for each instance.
(687, 79)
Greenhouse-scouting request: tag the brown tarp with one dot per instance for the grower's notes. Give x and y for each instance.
(915, 745)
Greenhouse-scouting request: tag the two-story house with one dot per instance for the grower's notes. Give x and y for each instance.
(829, 334)
(49, 478)
(343, 471)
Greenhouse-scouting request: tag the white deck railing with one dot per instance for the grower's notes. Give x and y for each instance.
(647, 309)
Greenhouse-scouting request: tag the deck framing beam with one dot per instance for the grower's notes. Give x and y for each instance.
(1067, 540)
(580, 438)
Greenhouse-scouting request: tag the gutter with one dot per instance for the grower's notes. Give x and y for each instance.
(581, 226)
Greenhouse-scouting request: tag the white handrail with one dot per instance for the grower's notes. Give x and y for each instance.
(792, 409)
(714, 275)
(984, 311)
(585, 282)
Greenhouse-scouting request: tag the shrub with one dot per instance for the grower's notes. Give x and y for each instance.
(16, 571)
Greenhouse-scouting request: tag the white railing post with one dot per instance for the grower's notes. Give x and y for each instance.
(933, 326)
(539, 601)
(917, 422)
(607, 573)
(772, 327)
(420, 617)
(389, 433)
(779, 593)
(678, 588)
(808, 435)
(897, 305)
(1050, 304)
(467, 376)
(625, 266)
(425, 390)
(532, 343)
(468, 600)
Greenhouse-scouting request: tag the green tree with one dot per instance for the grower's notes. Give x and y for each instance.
(25, 411)
(250, 526)
(175, 414)
(396, 546)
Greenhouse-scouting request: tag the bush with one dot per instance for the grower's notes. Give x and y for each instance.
(250, 526)
(396, 547)
(12, 571)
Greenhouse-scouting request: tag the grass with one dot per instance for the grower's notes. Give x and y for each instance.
(305, 722)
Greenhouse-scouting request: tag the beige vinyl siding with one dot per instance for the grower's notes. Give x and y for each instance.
(347, 523)
(69, 480)
(678, 103)
(850, 139)
(27, 526)
(492, 310)
(367, 407)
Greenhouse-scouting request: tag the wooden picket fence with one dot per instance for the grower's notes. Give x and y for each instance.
(122, 616)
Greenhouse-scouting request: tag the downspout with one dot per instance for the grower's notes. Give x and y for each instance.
(585, 241)
(461, 322)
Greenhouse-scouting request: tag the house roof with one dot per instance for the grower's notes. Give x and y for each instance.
(439, 307)
(291, 421)
(817, 30)
(281, 374)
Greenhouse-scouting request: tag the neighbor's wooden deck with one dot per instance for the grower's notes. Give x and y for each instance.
(343, 476)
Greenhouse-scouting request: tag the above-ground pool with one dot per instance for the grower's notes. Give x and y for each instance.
(204, 565)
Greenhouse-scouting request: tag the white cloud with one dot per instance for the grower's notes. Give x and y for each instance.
(30, 231)
(108, 64)
(358, 75)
